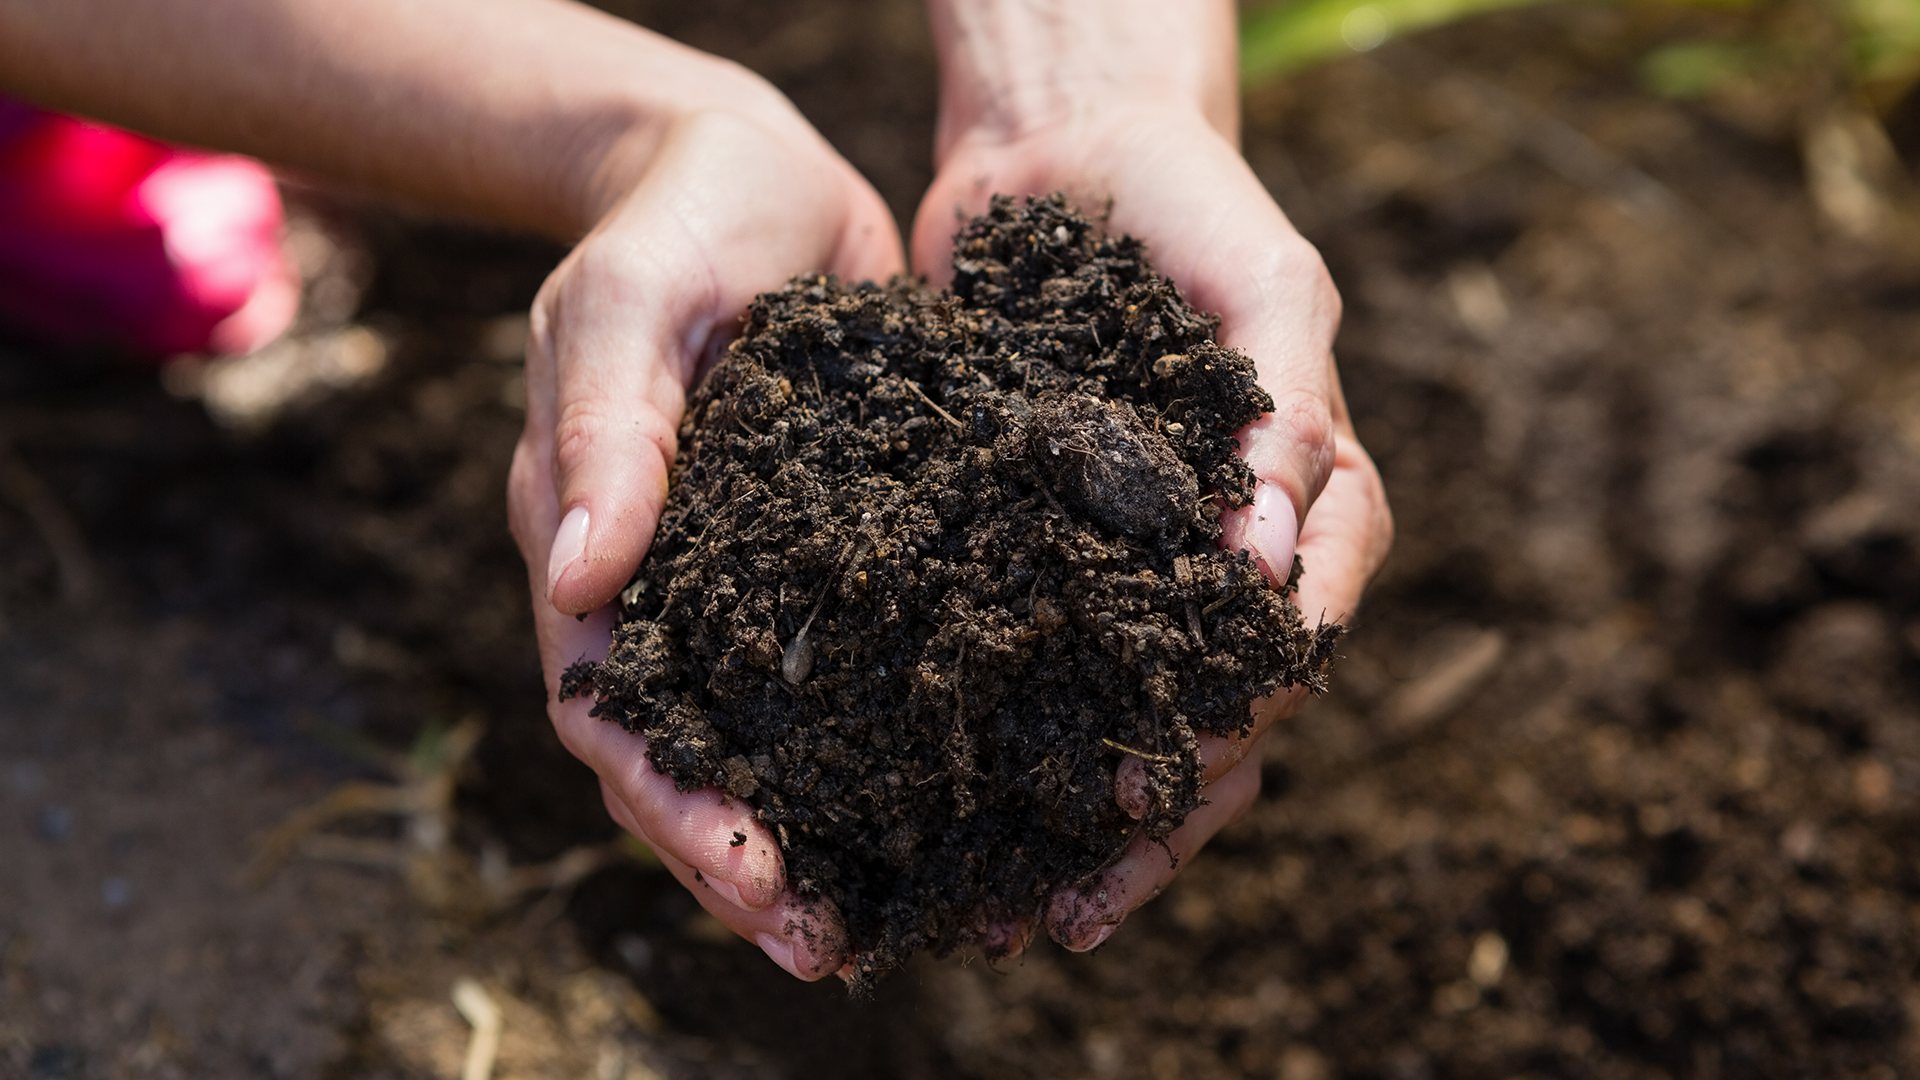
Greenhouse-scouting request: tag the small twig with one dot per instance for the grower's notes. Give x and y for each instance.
(57, 529)
(915, 387)
(354, 851)
(570, 869)
(1183, 575)
(348, 800)
(1217, 604)
(796, 662)
(1164, 759)
(479, 1009)
(1041, 486)
(1442, 689)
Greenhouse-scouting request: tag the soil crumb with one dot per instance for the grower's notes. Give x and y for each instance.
(935, 562)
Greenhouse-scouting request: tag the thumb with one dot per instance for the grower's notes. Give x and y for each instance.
(611, 387)
(621, 328)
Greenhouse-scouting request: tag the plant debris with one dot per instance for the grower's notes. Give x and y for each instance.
(935, 562)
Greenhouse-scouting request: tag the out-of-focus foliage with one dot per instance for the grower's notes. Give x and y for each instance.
(1691, 69)
(1815, 71)
(1288, 36)
(1873, 45)
(1886, 40)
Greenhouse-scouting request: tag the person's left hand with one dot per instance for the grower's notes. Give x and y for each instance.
(1173, 179)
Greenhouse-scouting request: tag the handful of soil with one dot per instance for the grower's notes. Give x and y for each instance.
(933, 563)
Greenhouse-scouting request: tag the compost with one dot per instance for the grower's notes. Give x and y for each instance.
(934, 562)
(1674, 473)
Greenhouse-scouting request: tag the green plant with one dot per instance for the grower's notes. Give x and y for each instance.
(1816, 71)
(1878, 41)
(1279, 38)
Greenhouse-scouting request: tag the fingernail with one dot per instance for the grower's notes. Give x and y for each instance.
(1097, 940)
(780, 951)
(569, 544)
(728, 891)
(1273, 530)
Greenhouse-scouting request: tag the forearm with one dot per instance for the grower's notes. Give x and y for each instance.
(532, 113)
(1014, 68)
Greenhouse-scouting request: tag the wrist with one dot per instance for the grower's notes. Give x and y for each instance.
(615, 143)
(1015, 69)
(532, 114)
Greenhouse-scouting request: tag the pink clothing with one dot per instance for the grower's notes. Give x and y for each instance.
(112, 239)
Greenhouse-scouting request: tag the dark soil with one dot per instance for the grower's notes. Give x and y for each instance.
(1620, 778)
(934, 562)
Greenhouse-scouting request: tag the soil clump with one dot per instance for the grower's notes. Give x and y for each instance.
(935, 562)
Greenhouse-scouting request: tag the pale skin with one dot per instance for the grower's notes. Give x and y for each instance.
(690, 185)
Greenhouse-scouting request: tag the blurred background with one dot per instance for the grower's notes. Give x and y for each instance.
(1618, 777)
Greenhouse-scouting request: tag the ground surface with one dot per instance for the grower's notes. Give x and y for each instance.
(1618, 777)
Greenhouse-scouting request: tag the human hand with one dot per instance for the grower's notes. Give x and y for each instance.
(696, 186)
(1131, 104)
(720, 205)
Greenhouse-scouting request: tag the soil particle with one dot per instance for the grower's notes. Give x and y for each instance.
(934, 563)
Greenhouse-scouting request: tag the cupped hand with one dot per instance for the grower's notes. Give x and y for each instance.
(721, 205)
(1174, 179)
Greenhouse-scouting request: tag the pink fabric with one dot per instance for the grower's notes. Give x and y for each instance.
(109, 238)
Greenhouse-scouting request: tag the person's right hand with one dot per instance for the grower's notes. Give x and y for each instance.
(695, 186)
(724, 203)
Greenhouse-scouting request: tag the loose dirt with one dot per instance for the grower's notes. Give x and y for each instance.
(935, 562)
(1664, 475)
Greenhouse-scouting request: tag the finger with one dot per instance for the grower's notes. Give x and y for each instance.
(1265, 529)
(1007, 939)
(803, 936)
(643, 300)
(1081, 919)
(1343, 545)
(603, 404)
(1219, 754)
(719, 837)
(1291, 451)
(715, 835)
(1345, 540)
